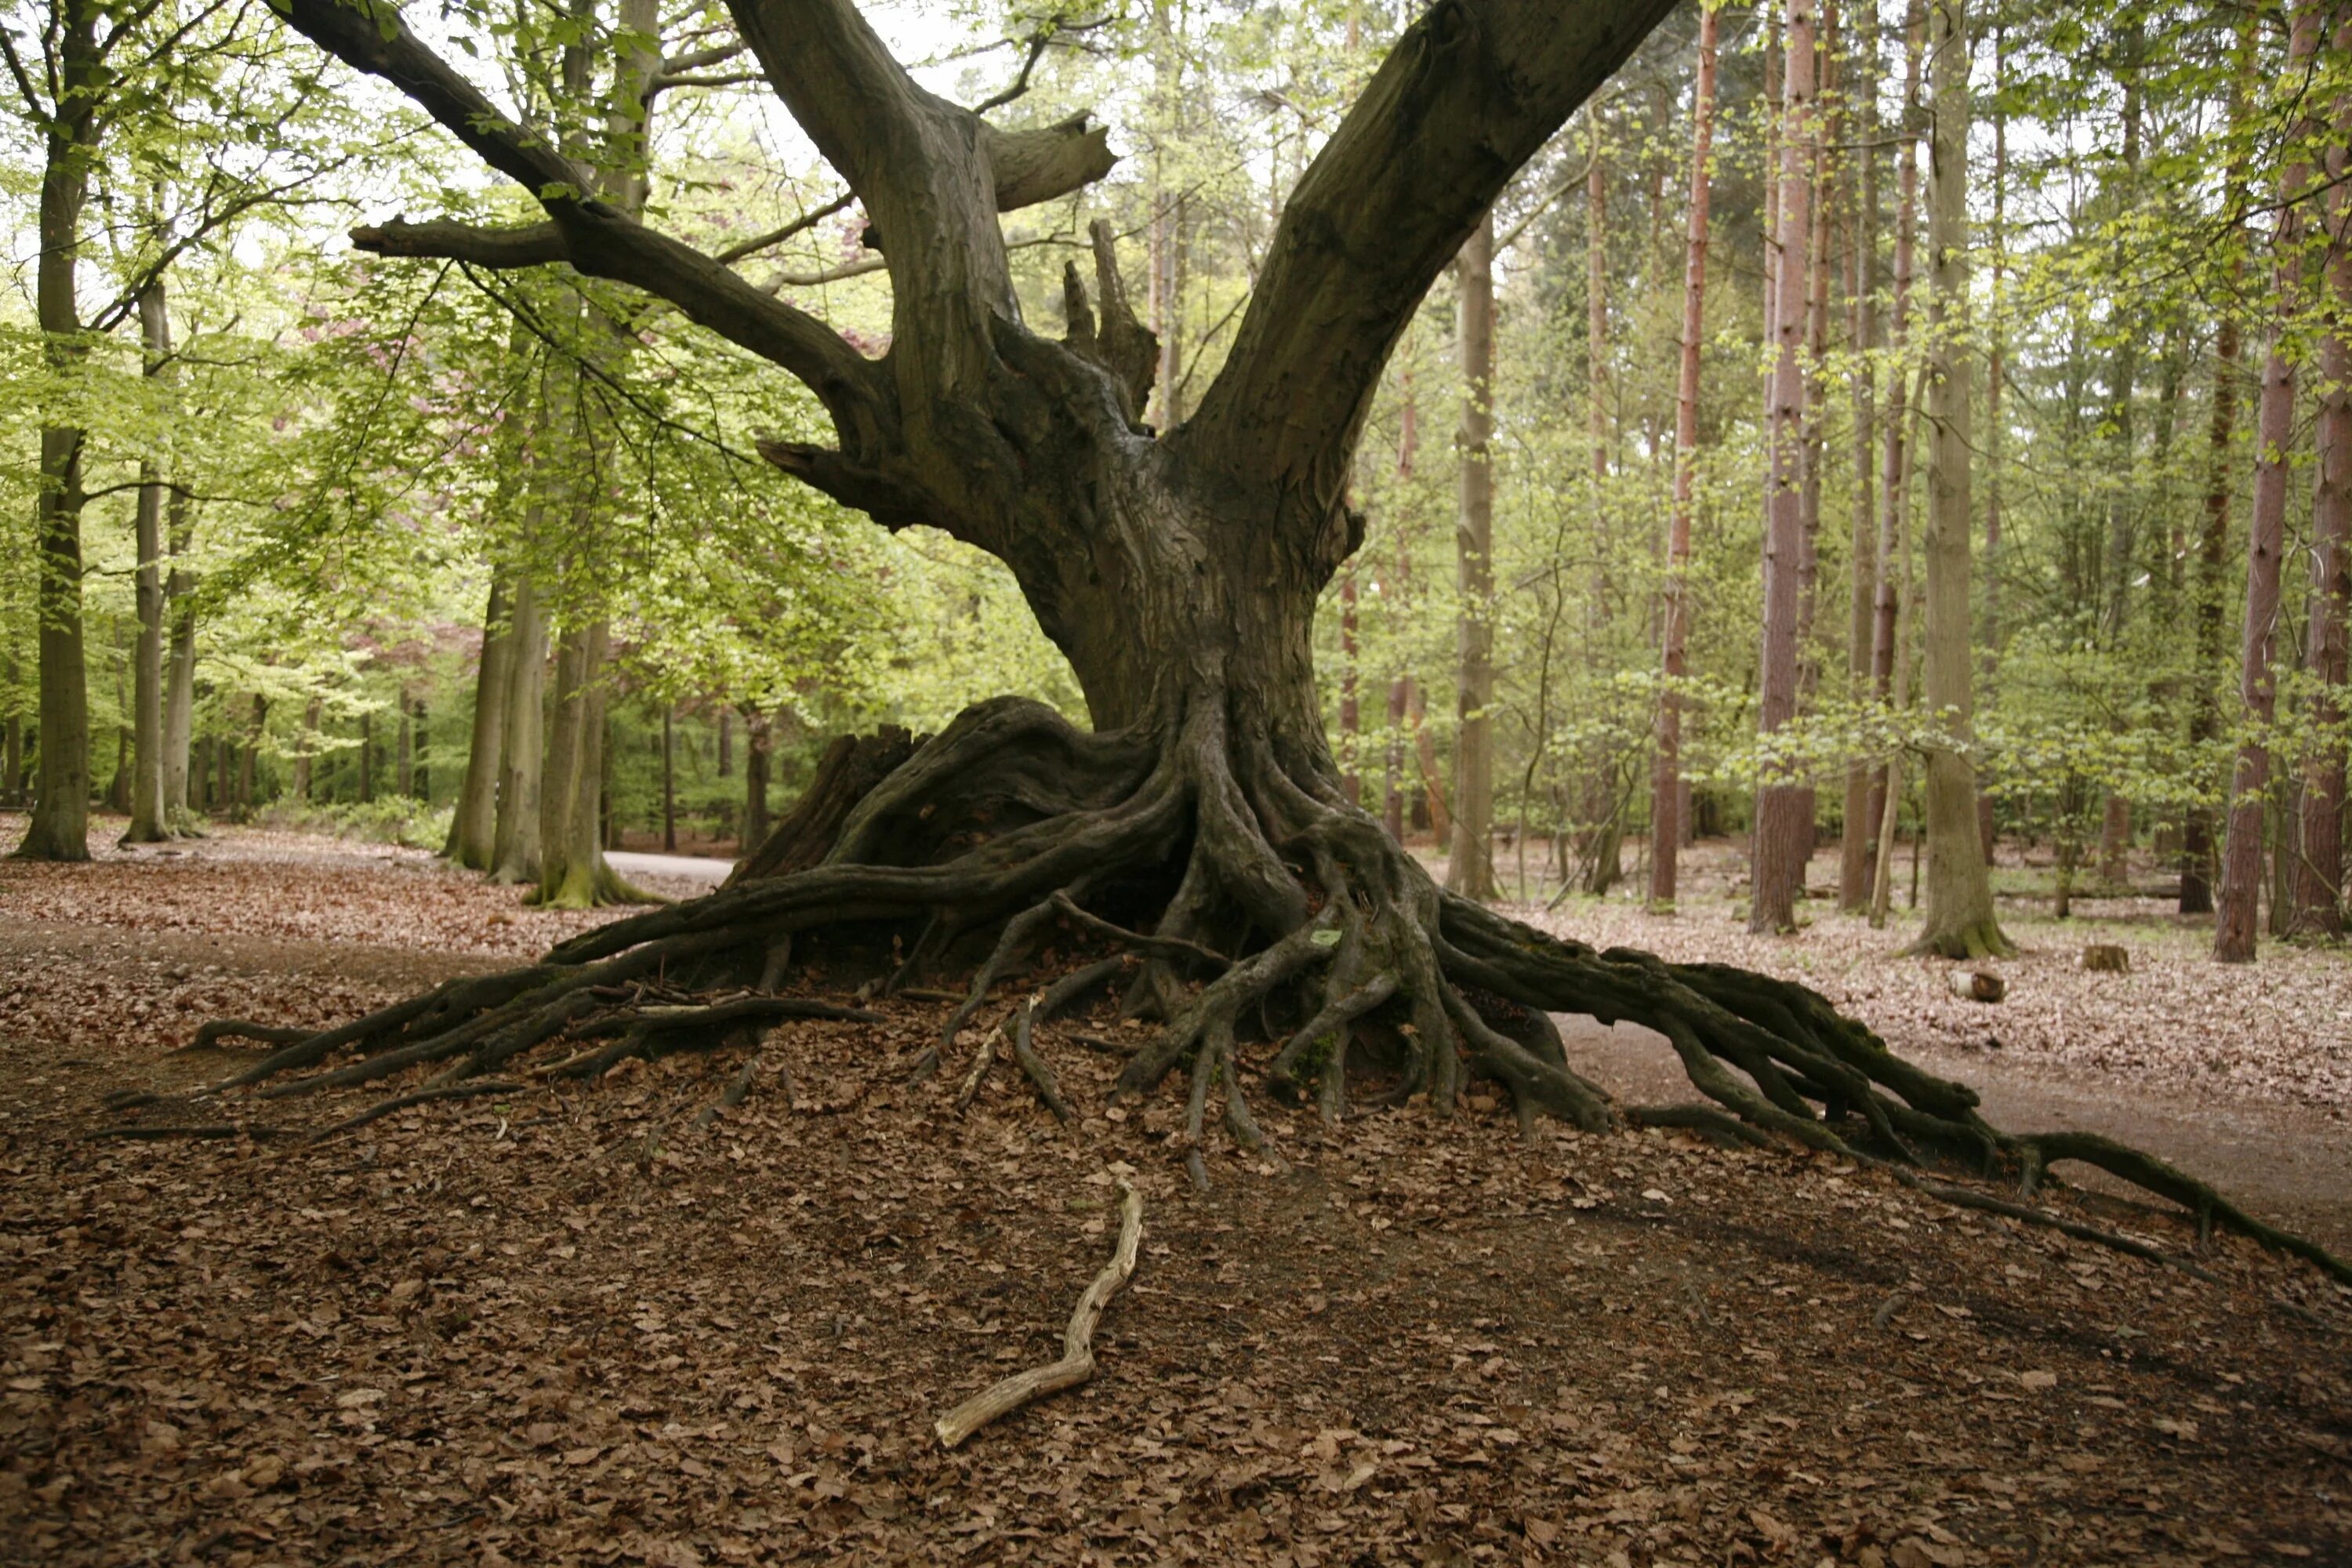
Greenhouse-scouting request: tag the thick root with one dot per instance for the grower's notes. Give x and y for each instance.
(1284, 915)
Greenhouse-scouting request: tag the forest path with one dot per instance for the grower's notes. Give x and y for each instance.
(700, 869)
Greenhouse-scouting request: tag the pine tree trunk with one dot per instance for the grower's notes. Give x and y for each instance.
(1666, 783)
(2241, 862)
(2316, 899)
(1471, 867)
(147, 821)
(1783, 833)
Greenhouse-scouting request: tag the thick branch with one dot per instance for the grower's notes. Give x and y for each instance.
(1468, 95)
(596, 238)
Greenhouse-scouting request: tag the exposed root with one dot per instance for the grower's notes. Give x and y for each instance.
(210, 1035)
(1077, 1363)
(1283, 915)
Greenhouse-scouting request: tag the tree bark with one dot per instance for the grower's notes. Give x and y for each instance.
(1862, 331)
(404, 749)
(1665, 783)
(1783, 835)
(670, 777)
(1995, 439)
(1352, 717)
(2123, 505)
(1960, 921)
(472, 824)
(1470, 871)
(180, 675)
(1895, 470)
(757, 743)
(2316, 899)
(2234, 927)
(60, 825)
(147, 824)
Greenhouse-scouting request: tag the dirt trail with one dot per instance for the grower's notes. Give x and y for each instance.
(2288, 1163)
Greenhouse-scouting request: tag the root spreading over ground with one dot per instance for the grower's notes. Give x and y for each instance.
(1225, 892)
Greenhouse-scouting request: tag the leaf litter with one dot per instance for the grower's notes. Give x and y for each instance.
(584, 1325)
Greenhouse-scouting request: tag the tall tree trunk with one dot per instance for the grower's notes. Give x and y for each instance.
(757, 745)
(472, 824)
(367, 758)
(1995, 372)
(1666, 783)
(670, 777)
(250, 753)
(2241, 860)
(1862, 331)
(2316, 899)
(1604, 834)
(514, 856)
(726, 744)
(1471, 867)
(1829, 133)
(147, 825)
(1401, 692)
(573, 870)
(12, 736)
(60, 825)
(1895, 462)
(305, 759)
(180, 672)
(1783, 833)
(403, 750)
(2123, 505)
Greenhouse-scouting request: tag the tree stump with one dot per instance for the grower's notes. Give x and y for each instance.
(2106, 958)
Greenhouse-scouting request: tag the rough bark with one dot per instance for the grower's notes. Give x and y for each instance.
(60, 825)
(1783, 831)
(147, 821)
(2234, 925)
(473, 822)
(1666, 784)
(2317, 898)
(1471, 867)
(1959, 919)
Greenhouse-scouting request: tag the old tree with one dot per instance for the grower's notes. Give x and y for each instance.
(1200, 832)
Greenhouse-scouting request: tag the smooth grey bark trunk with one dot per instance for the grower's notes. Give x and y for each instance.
(1470, 871)
(473, 823)
(1960, 922)
(514, 855)
(1666, 781)
(147, 825)
(180, 673)
(60, 825)
(2236, 913)
(1783, 834)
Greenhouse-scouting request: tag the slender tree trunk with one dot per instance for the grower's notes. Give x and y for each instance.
(1400, 693)
(473, 824)
(12, 737)
(757, 743)
(180, 668)
(1666, 784)
(1818, 265)
(2316, 899)
(1783, 835)
(1862, 330)
(147, 825)
(59, 827)
(248, 755)
(2122, 506)
(1604, 835)
(403, 753)
(367, 758)
(726, 744)
(1895, 568)
(1961, 921)
(1894, 465)
(305, 759)
(669, 778)
(1995, 372)
(1471, 867)
(2241, 860)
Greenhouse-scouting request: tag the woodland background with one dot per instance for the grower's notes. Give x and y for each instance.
(348, 455)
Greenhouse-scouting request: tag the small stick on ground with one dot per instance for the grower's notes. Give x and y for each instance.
(980, 1066)
(1077, 1363)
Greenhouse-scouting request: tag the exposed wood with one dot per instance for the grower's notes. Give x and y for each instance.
(1077, 1363)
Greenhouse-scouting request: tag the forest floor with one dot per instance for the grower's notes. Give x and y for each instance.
(571, 1326)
